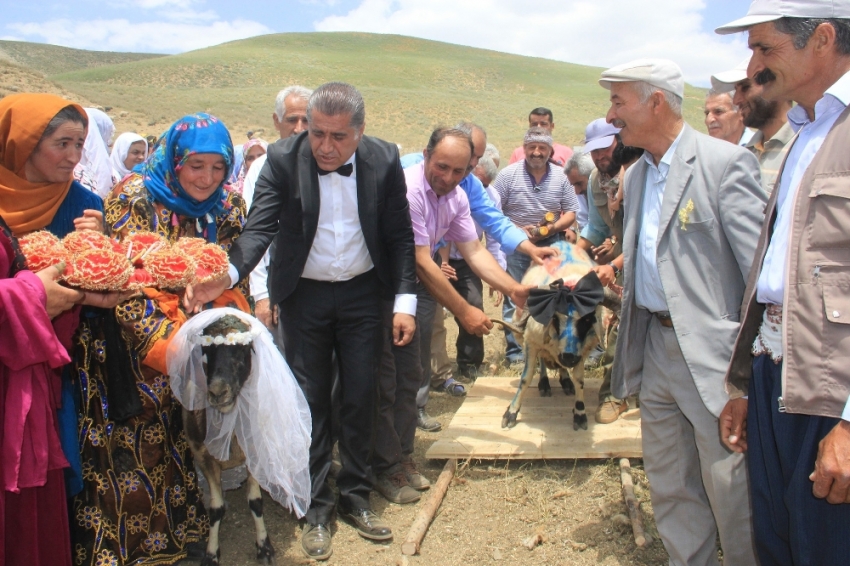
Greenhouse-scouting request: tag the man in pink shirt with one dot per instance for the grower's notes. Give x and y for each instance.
(438, 211)
(543, 118)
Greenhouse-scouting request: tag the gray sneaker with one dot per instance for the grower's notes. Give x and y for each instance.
(393, 485)
(416, 480)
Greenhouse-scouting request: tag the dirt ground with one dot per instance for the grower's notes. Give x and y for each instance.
(490, 509)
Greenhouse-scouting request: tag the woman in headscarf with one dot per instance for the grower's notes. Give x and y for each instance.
(129, 150)
(41, 140)
(251, 150)
(94, 170)
(141, 503)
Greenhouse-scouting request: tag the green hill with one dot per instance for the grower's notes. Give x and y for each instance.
(410, 85)
(51, 59)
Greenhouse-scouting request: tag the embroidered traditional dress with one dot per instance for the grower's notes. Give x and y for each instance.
(141, 503)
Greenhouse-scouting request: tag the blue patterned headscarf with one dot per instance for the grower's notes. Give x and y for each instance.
(190, 135)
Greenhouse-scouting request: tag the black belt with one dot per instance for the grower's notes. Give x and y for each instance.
(664, 318)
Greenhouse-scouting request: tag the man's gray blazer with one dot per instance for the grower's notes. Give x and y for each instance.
(704, 264)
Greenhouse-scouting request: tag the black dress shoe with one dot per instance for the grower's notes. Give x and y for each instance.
(316, 541)
(368, 524)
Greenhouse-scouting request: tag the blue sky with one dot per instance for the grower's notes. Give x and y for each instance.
(596, 32)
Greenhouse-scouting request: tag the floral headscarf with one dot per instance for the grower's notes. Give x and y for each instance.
(190, 135)
(236, 187)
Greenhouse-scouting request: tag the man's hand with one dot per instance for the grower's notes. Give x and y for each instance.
(404, 325)
(605, 274)
(59, 298)
(264, 313)
(520, 294)
(197, 295)
(601, 251)
(448, 271)
(497, 296)
(107, 300)
(832, 468)
(733, 425)
(90, 220)
(537, 255)
(475, 321)
(571, 236)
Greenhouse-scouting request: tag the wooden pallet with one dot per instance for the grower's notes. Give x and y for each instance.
(544, 429)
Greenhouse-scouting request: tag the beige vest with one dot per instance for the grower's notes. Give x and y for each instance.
(816, 319)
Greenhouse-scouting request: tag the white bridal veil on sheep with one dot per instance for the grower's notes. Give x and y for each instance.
(271, 419)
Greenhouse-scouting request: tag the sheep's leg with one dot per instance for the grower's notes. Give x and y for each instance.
(531, 361)
(566, 382)
(543, 386)
(265, 550)
(579, 415)
(212, 471)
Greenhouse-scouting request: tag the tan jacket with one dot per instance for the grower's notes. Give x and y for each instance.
(816, 319)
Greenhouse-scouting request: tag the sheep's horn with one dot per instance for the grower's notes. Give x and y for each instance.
(507, 325)
(611, 300)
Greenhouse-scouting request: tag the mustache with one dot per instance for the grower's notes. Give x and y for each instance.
(618, 124)
(764, 76)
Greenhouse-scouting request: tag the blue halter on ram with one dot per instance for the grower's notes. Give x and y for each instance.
(561, 324)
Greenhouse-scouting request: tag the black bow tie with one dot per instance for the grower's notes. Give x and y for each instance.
(587, 294)
(344, 170)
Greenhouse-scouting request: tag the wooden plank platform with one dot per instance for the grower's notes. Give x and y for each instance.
(544, 429)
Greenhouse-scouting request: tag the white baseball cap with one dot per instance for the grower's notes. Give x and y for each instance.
(726, 81)
(762, 11)
(660, 73)
(599, 134)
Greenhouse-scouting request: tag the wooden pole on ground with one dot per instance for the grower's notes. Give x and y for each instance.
(631, 502)
(429, 509)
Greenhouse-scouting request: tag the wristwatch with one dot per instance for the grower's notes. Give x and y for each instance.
(615, 268)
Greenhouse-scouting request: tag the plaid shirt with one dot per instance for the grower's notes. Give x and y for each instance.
(770, 154)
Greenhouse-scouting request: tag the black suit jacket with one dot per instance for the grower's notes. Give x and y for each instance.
(286, 205)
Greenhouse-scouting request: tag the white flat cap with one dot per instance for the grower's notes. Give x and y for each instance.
(660, 73)
(726, 81)
(762, 11)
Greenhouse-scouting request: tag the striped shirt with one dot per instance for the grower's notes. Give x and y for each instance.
(526, 202)
(771, 154)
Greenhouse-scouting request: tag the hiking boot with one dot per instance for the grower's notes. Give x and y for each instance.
(610, 410)
(393, 485)
(414, 478)
(426, 423)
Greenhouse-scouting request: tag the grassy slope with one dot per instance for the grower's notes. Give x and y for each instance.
(52, 59)
(410, 85)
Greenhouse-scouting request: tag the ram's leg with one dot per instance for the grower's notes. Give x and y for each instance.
(579, 415)
(510, 416)
(543, 385)
(566, 382)
(265, 550)
(212, 471)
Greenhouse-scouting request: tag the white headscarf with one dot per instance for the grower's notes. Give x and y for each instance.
(95, 157)
(120, 149)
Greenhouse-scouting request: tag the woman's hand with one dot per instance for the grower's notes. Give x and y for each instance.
(106, 300)
(90, 220)
(59, 298)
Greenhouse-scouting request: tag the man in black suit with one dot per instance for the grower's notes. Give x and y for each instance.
(336, 201)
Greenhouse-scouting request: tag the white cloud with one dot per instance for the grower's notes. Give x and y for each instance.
(152, 36)
(592, 32)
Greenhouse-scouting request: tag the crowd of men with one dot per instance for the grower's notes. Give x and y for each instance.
(731, 252)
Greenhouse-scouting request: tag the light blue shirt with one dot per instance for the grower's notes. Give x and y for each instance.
(649, 291)
(771, 283)
(483, 211)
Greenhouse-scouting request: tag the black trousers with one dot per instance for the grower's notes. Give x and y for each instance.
(790, 525)
(398, 382)
(321, 319)
(470, 348)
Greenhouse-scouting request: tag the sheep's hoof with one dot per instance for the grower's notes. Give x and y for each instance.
(210, 559)
(265, 553)
(509, 418)
(544, 388)
(567, 385)
(579, 421)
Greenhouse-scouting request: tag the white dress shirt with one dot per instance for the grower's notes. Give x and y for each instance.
(259, 278)
(649, 291)
(339, 251)
(771, 283)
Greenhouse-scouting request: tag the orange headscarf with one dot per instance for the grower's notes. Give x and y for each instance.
(27, 206)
